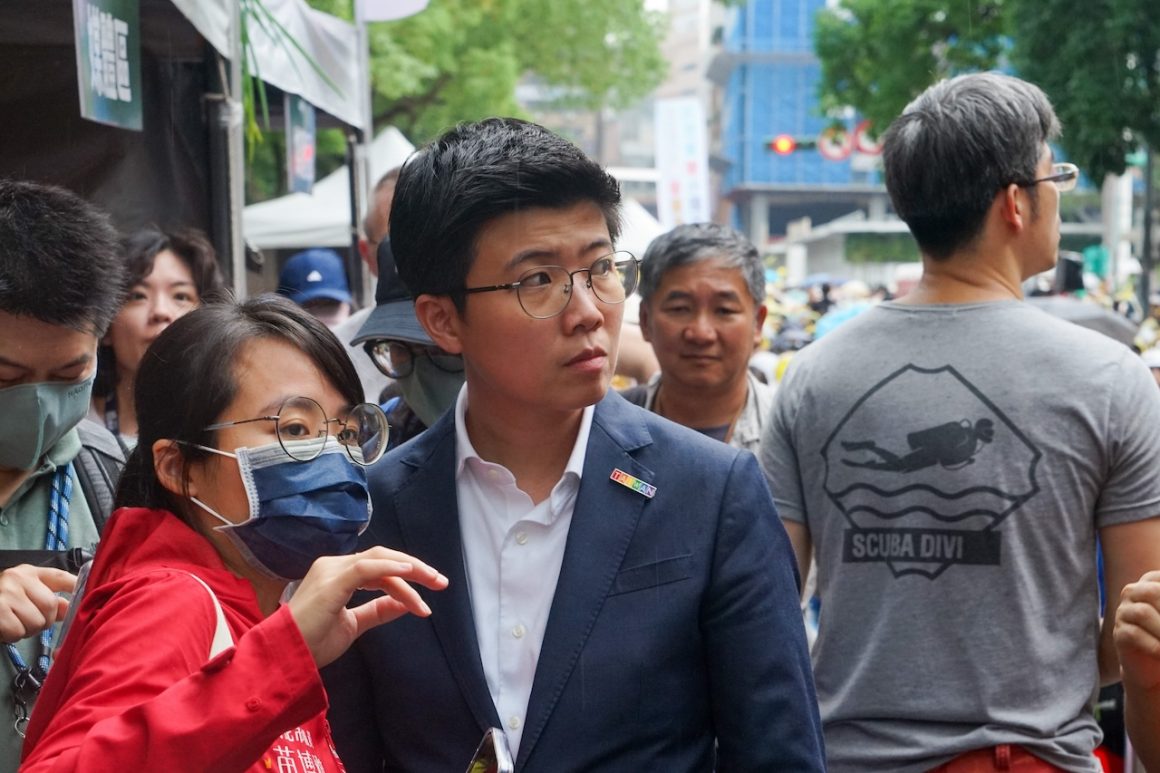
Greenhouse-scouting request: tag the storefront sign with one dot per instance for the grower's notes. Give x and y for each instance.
(108, 46)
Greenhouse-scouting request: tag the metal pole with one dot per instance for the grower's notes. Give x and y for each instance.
(1146, 259)
(358, 161)
(236, 148)
(354, 260)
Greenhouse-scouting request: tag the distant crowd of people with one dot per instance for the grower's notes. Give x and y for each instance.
(330, 538)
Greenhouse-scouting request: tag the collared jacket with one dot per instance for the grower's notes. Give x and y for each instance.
(674, 641)
(134, 687)
(754, 416)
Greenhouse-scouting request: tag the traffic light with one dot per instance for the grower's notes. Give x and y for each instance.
(786, 144)
(783, 144)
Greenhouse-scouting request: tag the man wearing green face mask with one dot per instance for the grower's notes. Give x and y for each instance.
(60, 286)
(428, 378)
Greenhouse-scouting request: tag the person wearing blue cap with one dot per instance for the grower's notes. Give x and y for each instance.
(316, 280)
(428, 378)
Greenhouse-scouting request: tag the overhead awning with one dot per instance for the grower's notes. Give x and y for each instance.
(329, 41)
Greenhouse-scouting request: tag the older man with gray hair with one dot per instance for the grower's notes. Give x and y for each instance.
(702, 291)
(951, 458)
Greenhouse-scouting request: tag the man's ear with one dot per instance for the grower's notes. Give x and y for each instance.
(439, 317)
(643, 317)
(762, 312)
(1013, 209)
(169, 464)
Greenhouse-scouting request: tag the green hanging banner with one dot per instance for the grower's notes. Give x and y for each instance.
(108, 46)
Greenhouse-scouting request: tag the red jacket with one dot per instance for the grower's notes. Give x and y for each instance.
(131, 689)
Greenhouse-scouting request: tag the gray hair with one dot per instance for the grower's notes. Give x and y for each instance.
(958, 144)
(695, 242)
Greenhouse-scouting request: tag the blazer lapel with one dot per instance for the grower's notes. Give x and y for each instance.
(603, 523)
(427, 510)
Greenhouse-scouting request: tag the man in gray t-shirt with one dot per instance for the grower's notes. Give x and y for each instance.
(951, 458)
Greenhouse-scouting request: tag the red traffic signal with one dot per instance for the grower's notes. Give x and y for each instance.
(783, 144)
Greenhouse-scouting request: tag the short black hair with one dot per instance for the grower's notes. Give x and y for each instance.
(60, 258)
(957, 145)
(450, 189)
(187, 380)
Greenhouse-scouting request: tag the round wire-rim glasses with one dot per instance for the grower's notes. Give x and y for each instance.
(363, 433)
(1064, 175)
(544, 291)
(396, 359)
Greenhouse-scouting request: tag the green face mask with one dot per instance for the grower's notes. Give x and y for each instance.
(36, 416)
(430, 391)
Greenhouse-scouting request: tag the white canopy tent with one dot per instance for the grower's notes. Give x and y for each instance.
(321, 218)
(638, 227)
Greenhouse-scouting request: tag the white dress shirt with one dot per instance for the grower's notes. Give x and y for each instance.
(512, 550)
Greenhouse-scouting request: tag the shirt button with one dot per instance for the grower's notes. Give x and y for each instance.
(522, 538)
(493, 474)
(253, 704)
(519, 631)
(514, 723)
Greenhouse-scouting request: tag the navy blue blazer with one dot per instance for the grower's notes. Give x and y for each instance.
(674, 642)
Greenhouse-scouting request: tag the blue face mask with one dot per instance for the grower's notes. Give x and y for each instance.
(299, 511)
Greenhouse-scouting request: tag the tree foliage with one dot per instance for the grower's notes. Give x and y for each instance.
(462, 59)
(1103, 75)
(877, 55)
(1098, 61)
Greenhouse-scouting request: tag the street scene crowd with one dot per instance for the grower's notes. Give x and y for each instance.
(603, 511)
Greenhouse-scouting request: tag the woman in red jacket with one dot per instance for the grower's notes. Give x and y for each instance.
(184, 653)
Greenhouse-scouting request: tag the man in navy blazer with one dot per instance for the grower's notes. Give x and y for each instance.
(622, 595)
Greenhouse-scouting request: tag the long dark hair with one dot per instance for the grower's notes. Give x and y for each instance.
(186, 381)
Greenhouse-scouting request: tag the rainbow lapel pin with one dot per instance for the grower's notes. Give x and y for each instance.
(636, 484)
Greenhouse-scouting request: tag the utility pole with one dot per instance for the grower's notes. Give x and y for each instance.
(1147, 262)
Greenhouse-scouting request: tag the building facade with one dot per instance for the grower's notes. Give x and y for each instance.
(769, 75)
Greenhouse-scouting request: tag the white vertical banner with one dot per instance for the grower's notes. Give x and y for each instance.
(682, 161)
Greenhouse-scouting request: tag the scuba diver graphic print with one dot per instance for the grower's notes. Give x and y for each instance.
(925, 469)
(951, 445)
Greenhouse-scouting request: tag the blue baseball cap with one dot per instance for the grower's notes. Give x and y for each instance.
(314, 274)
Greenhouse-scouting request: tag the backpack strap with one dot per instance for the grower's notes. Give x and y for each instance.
(70, 560)
(222, 640)
(98, 467)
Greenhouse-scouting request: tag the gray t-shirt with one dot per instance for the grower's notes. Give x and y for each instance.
(953, 465)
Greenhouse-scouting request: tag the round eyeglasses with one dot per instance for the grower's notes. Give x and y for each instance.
(1064, 175)
(544, 291)
(363, 433)
(397, 358)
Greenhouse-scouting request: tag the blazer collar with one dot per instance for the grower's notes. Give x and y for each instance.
(603, 524)
(427, 508)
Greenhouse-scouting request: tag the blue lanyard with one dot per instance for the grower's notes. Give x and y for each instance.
(28, 680)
